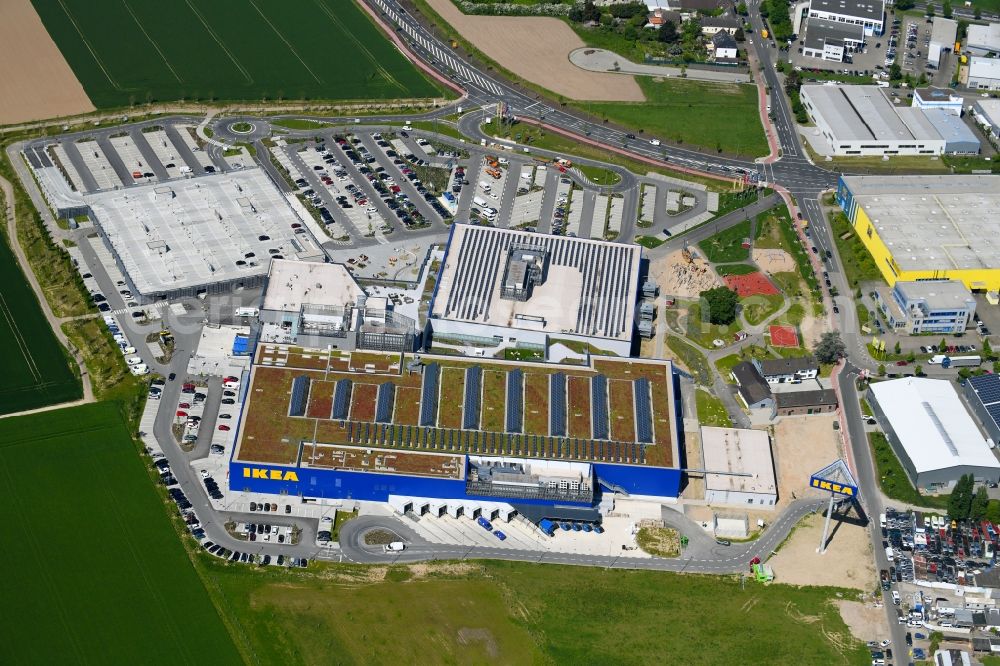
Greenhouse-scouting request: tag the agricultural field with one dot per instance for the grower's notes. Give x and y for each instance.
(520, 613)
(687, 112)
(101, 574)
(125, 53)
(35, 368)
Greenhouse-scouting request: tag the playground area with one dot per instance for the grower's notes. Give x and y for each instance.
(683, 274)
(783, 336)
(773, 261)
(751, 284)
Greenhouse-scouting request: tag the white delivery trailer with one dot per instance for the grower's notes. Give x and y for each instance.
(961, 361)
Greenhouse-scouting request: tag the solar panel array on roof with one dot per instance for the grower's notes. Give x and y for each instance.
(599, 406)
(300, 390)
(384, 402)
(605, 307)
(557, 405)
(341, 400)
(515, 400)
(994, 412)
(473, 388)
(643, 411)
(429, 394)
(987, 388)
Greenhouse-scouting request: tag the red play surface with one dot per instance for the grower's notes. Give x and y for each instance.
(752, 284)
(784, 336)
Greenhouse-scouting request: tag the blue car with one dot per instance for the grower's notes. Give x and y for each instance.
(576, 527)
(598, 529)
(587, 527)
(500, 535)
(566, 526)
(485, 524)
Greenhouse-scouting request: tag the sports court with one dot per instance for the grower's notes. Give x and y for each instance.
(751, 284)
(784, 336)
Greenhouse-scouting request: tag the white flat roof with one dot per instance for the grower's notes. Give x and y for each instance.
(984, 68)
(984, 36)
(292, 284)
(932, 424)
(738, 450)
(190, 232)
(589, 289)
(934, 222)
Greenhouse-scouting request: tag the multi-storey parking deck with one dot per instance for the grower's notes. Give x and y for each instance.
(399, 420)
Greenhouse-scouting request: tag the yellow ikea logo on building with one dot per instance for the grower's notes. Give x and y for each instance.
(832, 487)
(272, 474)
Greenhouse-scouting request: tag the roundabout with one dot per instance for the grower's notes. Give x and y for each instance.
(242, 127)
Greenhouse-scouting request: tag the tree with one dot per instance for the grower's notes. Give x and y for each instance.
(930, 10)
(960, 500)
(881, 369)
(978, 14)
(993, 511)
(988, 350)
(741, 9)
(895, 72)
(946, 9)
(793, 82)
(719, 304)
(905, 4)
(591, 12)
(980, 502)
(943, 346)
(918, 370)
(667, 33)
(831, 348)
(897, 349)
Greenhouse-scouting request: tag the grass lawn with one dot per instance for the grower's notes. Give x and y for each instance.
(727, 245)
(37, 371)
(687, 112)
(239, 50)
(650, 242)
(691, 358)
(858, 263)
(726, 364)
(776, 231)
(659, 541)
(702, 332)
(299, 123)
(523, 355)
(893, 479)
(711, 411)
(735, 269)
(101, 574)
(599, 175)
(109, 374)
(758, 308)
(514, 613)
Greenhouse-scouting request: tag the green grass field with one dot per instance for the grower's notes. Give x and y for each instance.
(126, 53)
(713, 116)
(522, 613)
(95, 571)
(711, 411)
(727, 246)
(35, 367)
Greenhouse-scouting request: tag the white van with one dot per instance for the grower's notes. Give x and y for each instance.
(140, 369)
(486, 186)
(128, 350)
(895, 597)
(394, 547)
(479, 201)
(936, 359)
(133, 360)
(654, 142)
(888, 554)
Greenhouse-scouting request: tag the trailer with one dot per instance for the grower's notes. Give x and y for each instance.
(961, 361)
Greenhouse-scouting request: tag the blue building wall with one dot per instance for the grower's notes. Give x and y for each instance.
(370, 486)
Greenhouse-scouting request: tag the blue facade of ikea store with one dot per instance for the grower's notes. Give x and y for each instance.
(338, 484)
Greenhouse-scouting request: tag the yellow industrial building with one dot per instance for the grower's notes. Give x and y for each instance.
(928, 227)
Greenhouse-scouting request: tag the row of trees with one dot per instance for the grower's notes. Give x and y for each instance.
(777, 14)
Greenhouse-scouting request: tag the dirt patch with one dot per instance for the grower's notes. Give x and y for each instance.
(467, 636)
(865, 620)
(659, 541)
(803, 445)
(682, 276)
(774, 261)
(36, 82)
(537, 49)
(811, 327)
(453, 569)
(847, 562)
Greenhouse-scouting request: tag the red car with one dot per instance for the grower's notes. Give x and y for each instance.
(901, 362)
(184, 405)
(181, 414)
(231, 379)
(223, 427)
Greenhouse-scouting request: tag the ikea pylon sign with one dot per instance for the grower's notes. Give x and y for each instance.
(833, 486)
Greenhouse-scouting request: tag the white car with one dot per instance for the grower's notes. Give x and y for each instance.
(654, 142)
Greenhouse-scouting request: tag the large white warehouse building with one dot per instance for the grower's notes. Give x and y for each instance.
(931, 432)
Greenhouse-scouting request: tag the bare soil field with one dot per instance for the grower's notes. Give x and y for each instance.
(36, 82)
(801, 446)
(847, 562)
(537, 49)
(682, 279)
